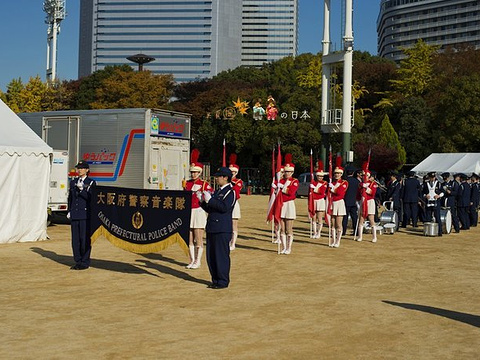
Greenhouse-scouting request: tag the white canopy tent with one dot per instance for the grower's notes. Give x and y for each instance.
(24, 180)
(466, 163)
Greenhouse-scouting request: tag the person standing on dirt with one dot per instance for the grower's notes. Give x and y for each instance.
(198, 218)
(79, 197)
(219, 207)
(289, 187)
(237, 185)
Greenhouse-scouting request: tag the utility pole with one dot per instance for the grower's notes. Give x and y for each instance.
(55, 10)
(338, 120)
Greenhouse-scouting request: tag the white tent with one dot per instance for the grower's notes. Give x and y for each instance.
(466, 163)
(24, 180)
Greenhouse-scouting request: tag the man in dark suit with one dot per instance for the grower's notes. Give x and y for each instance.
(411, 193)
(219, 207)
(351, 197)
(79, 196)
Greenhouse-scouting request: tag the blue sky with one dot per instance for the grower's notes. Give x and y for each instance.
(24, 33)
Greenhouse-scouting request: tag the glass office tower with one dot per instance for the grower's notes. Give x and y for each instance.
(191, 39)
(269, 30)
(437, 22)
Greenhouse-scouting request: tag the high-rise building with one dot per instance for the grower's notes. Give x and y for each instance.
(437, 22)
(269, 30)
(190, 39)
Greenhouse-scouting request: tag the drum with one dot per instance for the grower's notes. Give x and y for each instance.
(389, 216)
(446, 220)
(389, 228)
(430, 229)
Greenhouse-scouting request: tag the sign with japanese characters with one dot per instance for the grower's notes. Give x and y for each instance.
(141, 221)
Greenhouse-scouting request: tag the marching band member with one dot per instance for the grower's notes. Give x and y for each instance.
(237, 185)
(411, 194)
(474, 200)
(288, 186)
(319, 189)
(338, 188)
(432, 192)
(198, 219)
(370, 187)
(450, 189)
(463, 202)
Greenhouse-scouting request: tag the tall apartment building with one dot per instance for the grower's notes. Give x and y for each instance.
(437, 22)
(190, 39)
(269, 30)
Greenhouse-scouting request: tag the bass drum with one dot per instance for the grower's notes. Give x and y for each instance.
(446, 220)
(389, 217)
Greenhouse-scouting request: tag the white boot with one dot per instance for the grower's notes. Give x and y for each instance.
(198, 259)
(283, 240)
(288, 250)
(374, 232)
(319, 232)
(314, 228)
(233, 241)
(339, 237)
(331, 240)
(277, 237)
(360, 233)
(191, 249)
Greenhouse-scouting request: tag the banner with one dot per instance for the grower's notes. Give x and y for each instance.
(141, 221)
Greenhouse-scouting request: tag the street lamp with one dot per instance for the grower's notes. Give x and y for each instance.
(140, 59)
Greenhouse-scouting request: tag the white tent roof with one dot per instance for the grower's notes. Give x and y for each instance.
(16, 137)
(466, 163)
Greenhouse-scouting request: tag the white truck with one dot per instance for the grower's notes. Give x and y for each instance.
(136, 148)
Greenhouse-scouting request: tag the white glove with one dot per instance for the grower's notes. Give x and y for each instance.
(280, 185)
(365, 186)
(199, 195)
(68, 215)
(331, 186)
(80, 185)
(274, 186)
(312, 186)
(207, 196)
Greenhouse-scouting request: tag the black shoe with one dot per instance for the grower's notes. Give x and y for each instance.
(212, 286)
(74, 267)
(81, 267)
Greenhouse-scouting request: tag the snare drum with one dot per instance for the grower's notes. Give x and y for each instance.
(446, 220)
(430, 229)
(389, 217)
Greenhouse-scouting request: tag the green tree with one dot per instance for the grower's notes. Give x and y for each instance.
(388, 137)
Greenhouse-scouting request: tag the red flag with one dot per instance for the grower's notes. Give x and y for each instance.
(224, 159)
(276, 200)
(311, 202)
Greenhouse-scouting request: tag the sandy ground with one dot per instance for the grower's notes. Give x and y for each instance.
(406, 297)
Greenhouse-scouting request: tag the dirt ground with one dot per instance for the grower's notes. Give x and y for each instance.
(405, 297)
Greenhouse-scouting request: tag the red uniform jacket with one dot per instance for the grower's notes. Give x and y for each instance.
(194, 186)
(320, 189)
(237, 185)
(339, 190)
(289, 190)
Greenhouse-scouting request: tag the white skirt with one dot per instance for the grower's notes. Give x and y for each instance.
(198, 219)
(236, 214)
(288, 210)
(319, 205)
(371, 207)
(339, 208)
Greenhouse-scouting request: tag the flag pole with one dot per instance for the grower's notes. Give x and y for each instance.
(329, 198)
(224, 159)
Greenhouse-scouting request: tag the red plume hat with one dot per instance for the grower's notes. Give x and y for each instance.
(338, 164)
(289, 165)
(194, 164)
(232, 161)
(319, 170)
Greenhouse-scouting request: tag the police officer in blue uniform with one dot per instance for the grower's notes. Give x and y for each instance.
(474, 200)
(79, 195)
(411, 194)
(450, 188)
(219, 207)
(351, 198)
(463, 202)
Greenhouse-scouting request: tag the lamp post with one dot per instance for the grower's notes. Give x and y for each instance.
(140, 59)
